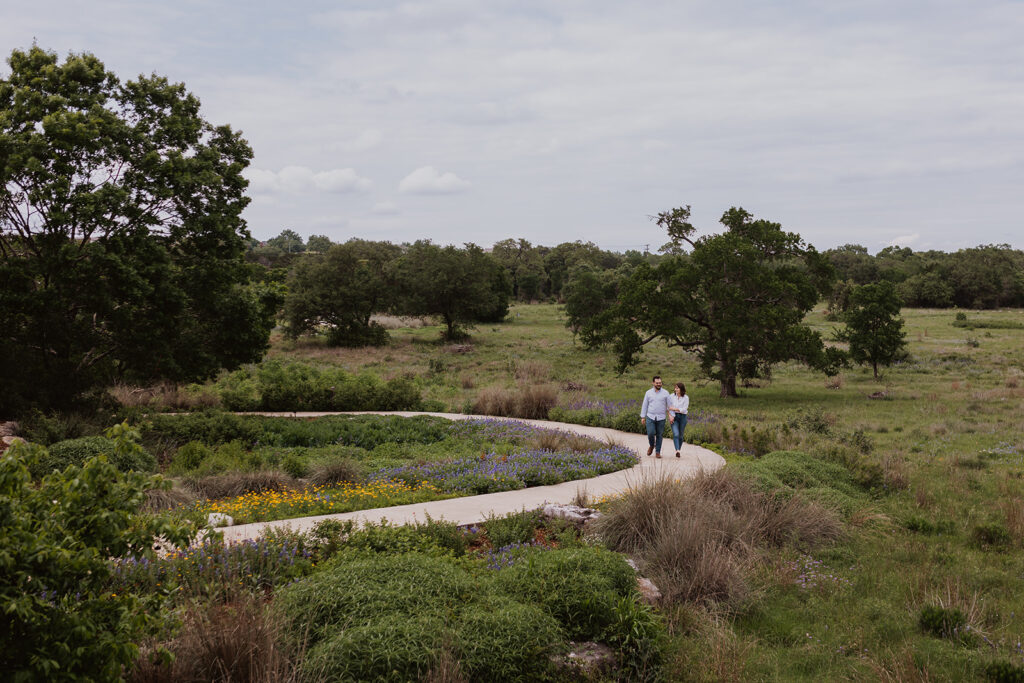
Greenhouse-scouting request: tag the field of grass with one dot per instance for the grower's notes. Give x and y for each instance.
(939, 438)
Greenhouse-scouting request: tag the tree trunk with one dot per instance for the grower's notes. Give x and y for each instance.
(728, 387)
(874, 366)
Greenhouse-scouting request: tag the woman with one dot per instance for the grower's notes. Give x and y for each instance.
(678, 406)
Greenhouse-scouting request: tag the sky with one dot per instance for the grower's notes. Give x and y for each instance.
(860, 122)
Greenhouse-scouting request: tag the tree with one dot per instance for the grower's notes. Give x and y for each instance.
(737, 301)
(318, 243)
(874, 327)
(57, 538)
(342, 289)
(460, 286)
(289, 241)
(121, 236)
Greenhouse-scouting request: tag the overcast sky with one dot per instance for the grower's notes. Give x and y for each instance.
(464, 121)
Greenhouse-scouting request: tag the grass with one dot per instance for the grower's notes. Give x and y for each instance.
(922, 468)
(954, 403)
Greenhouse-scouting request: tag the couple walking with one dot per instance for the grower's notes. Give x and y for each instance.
(658, 403)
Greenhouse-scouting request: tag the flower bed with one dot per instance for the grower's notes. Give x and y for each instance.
(321, 500)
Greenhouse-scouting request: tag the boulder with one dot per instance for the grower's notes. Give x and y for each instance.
(648, 591)
(218, 519)
(588, 661)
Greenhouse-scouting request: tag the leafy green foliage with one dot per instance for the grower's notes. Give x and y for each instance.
(460, 286)
(737, 301)
(874, 327)
(77, 451)
(63, 623)
(121, 235)
(579, 587)
(273, 385)
(515, 527)
(341, 290)
(503, 640)
(944, 622)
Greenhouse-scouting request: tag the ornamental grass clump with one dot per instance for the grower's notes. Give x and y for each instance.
(697, 538)
(236, 641)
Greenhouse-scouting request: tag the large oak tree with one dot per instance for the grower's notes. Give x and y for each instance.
(737, 300)
(121, 235)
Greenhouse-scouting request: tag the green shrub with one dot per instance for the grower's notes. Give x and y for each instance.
(922, 525)
(991, 535)
(1004, 672)
(639, 636)
(579, 587)
(273, 385)
(347, 592)
(503, 640)
(515, 527)
(189, 457)
(227, 457)
(295, 466)
(392, 647)
(942, 622)
(61, 621)
(78, 451)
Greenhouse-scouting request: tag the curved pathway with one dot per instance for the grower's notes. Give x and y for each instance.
(475, 509)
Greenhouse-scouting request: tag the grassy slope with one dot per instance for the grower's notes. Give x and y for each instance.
(960, 396)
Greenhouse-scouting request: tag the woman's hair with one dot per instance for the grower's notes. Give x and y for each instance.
(682, 388)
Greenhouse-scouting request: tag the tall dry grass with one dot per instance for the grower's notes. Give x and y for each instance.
(696, 539)
(240, 642)
(530, 401)
(238, 483)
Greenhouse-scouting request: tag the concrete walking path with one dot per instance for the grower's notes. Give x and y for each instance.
(475, 509)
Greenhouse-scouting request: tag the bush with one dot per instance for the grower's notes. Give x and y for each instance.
(943, 622)
(273, 385)
(503, 640)
(392, 647)
(579, 587)
(639, 636)
(515, 527)
(189, 457)
(78, 451)
(1004, 672)
(991, 535)
(58, 537)
(349, 592)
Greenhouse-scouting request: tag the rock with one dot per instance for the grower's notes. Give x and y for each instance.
(632, 563)
(574, 513)
(589, 661)
(648, 591)
(9, 428)
(217, 519)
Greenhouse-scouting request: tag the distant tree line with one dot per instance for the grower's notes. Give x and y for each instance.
(988, 276)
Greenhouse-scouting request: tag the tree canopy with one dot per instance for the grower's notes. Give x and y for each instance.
(460, 286)
(341, 290)
(874, 327)
(737, 300)
(120, 233)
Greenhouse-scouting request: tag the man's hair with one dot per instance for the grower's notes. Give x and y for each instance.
(656, 377)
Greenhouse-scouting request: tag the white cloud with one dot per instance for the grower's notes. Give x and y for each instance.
(299, 180)
(428, 180)
(904, 240)
(368, 139)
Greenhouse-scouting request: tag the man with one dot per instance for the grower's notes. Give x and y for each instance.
(652, 415)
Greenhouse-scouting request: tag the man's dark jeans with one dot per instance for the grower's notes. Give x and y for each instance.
(655, 428)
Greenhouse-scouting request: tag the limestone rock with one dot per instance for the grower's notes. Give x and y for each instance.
(573, 513)
(648, 591)
(589, 661)
(218, 519)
